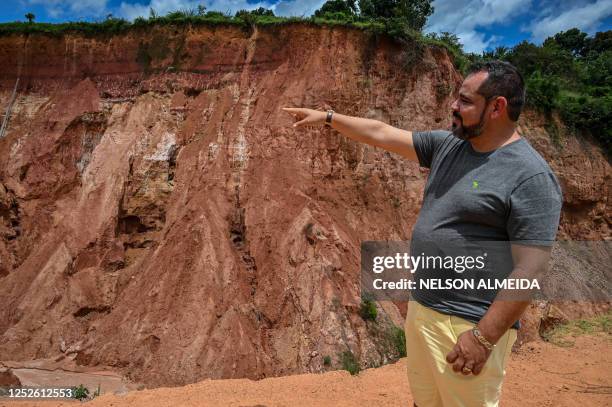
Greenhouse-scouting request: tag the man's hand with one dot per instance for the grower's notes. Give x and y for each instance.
(468, 355)
(529, 262)
(368, 131)
(306, 116)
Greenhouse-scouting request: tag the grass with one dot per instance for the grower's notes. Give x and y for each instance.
(81, 393)
(117, 25)
(349, 362)
(564, 334)
(368, 311)
(398, 338)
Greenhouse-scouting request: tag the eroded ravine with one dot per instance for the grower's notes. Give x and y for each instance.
(161, 218)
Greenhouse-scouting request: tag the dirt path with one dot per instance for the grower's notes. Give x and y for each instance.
(540, 375)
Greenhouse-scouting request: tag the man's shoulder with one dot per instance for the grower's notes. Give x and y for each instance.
(529, 168)
(435, 133)
(528, 160)
(437, 137)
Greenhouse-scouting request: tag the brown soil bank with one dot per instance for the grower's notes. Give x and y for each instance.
(539, 375)
(160, 218)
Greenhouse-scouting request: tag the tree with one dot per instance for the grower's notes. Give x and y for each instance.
(30, 17)
(367, 9)
(598, 71)
(448, 38)
(346, 7)
(500, 52)
(412, 13)
(251, 14)
(201, 10)
(574, 41)
(601, 42)
(542, 91)
(263, 12)
(415, 12)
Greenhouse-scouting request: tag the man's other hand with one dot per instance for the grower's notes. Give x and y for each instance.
(468, 356)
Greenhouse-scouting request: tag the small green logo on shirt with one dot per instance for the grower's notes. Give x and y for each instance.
(474, 184)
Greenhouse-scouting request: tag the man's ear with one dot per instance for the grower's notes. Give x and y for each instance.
(500, 106)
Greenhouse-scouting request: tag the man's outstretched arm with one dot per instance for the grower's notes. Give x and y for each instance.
(368, 131)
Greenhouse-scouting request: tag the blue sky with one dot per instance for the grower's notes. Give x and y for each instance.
(480, 24)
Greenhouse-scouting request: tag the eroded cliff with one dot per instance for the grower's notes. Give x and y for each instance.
(160, 216)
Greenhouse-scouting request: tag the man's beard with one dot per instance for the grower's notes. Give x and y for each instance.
(468, 132)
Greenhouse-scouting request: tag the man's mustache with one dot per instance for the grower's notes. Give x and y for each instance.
(458, 116)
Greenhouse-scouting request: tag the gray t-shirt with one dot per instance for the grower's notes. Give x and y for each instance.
(509, 194)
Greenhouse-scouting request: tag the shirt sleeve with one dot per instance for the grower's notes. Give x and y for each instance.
(535, 208)
(426, 145)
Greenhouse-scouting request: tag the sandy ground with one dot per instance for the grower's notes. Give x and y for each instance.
(540, 374)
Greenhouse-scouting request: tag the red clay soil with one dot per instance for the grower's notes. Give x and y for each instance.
(540, 375)
(160, 218)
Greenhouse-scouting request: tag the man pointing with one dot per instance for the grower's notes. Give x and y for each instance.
(486, 183)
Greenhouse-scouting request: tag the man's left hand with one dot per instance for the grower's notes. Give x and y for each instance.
(468, 356)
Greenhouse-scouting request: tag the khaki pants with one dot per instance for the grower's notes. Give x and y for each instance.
(430, 336)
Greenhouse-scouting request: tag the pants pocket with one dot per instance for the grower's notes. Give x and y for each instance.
(458, 325)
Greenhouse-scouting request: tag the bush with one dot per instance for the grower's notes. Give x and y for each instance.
(589, 114)
(450, 41)
(337, 7)
(181, 15)
(337, 16)
(368, 311)
(327, 361)
(349, 362)
(412, 13)
(80, 392)
(398, 337)
(542, 92)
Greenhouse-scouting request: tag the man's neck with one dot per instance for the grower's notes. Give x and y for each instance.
(490, 141)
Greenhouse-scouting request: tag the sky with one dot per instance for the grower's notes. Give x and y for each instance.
(479, 24)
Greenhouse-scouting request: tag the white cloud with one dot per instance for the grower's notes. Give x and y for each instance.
(297, 7)
(80, 8)
(463, 17)
(473, 41)
(91, 7)
(161, 7)
(233, 5)
(131, 10)
(587, 17)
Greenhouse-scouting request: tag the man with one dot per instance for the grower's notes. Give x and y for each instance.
(485, 183)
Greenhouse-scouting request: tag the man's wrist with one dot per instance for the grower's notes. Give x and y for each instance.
(328, 117)
(478, 335)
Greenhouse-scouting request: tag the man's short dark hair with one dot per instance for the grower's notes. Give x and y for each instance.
(503, 80)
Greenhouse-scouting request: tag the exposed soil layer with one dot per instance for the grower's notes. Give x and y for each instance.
(160, 218)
